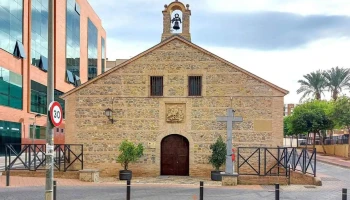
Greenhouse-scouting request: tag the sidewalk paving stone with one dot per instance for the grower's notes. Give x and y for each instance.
(17, 181)
(334, 160)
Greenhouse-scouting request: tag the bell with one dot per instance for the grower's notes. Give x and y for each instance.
(176, 26)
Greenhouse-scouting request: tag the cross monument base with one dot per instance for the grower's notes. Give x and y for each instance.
(229, 179)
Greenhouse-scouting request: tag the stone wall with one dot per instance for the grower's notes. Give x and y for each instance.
(142, 118)
(42, 173)
(296, 178)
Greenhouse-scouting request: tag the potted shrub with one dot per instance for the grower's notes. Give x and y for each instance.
(128, 153)
(217, 158)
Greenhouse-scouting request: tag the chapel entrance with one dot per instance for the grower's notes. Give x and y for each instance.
(175, 156)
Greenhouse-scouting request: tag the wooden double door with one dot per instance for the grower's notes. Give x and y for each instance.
(175, 156)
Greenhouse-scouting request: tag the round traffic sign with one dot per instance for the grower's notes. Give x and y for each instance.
(55, 113)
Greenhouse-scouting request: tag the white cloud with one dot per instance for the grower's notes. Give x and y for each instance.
(304, 7)
(117, 49)
(285, 68)
(282, 68)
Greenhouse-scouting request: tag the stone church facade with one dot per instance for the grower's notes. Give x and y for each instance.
(168, 98)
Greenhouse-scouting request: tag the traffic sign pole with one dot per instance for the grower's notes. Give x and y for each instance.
(50, 98)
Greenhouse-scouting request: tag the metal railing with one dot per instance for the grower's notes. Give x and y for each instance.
(277, 161)
(32, 157)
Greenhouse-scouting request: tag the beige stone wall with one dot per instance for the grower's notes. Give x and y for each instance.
(141, 118)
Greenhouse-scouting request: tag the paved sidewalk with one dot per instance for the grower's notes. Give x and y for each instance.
(166, 181)
(17, 181)
(333, 160)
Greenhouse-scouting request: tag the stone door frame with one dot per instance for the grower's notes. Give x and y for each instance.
(158, 150)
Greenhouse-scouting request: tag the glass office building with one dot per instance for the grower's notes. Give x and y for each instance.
(24, 62)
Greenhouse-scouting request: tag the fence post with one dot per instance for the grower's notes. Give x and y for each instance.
(344, 194)
(285, 159)
(54, 190)
(59, 157)
(277, 191)
(265, 149)
(238, 160)
(34, 157)
(315, 163)
(259, 164)
(294, 153)
(304, 160)
(128, 189)
(7, 168)
(64, 157)
(82, 156)
(201, 190)
(289, 174)
(25, 155)
(30, 156)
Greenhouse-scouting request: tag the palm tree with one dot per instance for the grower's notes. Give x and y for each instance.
(336, 79)
(313, 84)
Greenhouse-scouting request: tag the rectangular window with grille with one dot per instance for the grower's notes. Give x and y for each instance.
(156, 85)
(194, 86)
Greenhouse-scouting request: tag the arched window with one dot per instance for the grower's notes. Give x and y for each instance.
(176, 20)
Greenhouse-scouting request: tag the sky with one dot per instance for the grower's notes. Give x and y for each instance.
(279, 41)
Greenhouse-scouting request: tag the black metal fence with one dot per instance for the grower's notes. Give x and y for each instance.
(67, 157)
(277, 161)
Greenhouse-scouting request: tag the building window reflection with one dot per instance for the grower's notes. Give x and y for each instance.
(39, 30)
(92, 50)
(103, 57)
(11, 24)
(39, 96)
(73, 37)
(11, 90)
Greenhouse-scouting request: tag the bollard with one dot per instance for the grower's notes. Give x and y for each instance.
(344, 192)
(128, 189)
(277, 191)
(201, 190)
(54, 190)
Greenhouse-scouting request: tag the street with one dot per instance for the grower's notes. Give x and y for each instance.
(334, 179)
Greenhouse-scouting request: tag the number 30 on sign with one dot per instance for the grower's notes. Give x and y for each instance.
(55, 113)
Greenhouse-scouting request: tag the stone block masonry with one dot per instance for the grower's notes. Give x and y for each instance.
(89, 175)
(144, 119)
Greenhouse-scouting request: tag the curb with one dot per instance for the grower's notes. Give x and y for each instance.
(335, 164)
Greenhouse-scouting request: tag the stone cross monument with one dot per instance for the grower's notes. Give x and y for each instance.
(230, 119)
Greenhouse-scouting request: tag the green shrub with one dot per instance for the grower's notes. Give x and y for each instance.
(128, 153)
(218, 156)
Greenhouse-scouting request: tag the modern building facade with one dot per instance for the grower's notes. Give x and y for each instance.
(79, 43)
(112, 63)
(288, 109)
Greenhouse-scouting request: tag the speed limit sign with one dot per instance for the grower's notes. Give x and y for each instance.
(55, 113)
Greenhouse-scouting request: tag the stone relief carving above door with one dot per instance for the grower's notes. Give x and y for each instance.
(175, 113)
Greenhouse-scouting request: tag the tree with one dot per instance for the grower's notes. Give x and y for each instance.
(218, 156)
(313, 84)
(341, 113)
(129, 153)
(287, 126)
(312, 117)
(336, 80)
